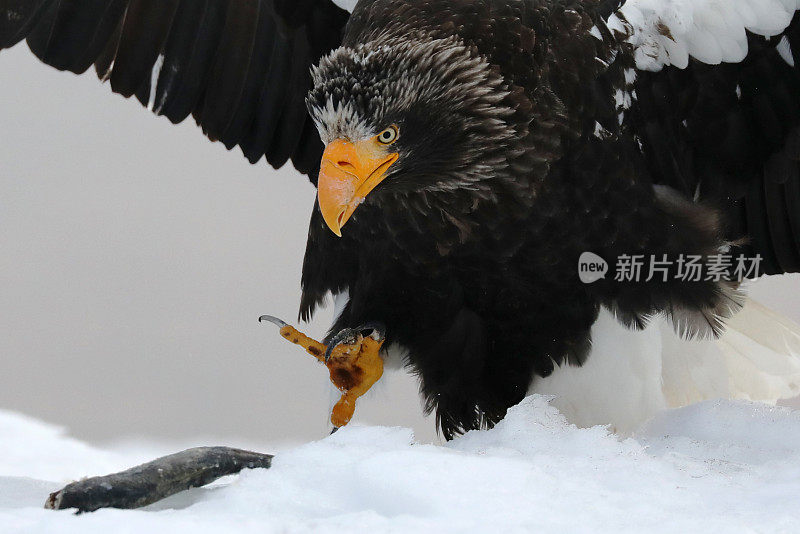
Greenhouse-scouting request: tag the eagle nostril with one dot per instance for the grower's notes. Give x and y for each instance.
(345, 164)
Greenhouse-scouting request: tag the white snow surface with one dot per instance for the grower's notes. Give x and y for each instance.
(715, 466)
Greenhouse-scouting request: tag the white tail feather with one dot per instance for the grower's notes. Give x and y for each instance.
(631, 375)
(762, 352)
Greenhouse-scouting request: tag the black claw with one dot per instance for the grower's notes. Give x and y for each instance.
(375, 329)
(273, 320)
(345, 335)
(334, 429)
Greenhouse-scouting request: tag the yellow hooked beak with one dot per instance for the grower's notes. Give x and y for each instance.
(349, 171)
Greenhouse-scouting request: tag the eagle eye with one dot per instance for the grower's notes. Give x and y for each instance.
(388, 135)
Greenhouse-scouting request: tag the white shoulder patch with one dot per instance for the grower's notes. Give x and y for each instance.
(667, 32)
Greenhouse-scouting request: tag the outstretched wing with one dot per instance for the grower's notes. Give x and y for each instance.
(240, 67)
(717, 111)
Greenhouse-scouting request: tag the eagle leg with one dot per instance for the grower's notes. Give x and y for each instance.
(352, 357)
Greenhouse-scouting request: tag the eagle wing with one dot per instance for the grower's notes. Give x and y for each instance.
(717, 112)
(240, 67)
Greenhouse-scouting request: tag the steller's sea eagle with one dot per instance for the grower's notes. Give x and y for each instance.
(488, 170)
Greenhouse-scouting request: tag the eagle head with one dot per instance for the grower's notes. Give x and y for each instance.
(406, 116)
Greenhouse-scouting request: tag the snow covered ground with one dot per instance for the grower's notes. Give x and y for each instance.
(711, 467)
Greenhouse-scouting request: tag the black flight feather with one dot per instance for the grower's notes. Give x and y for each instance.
(188, 56)
(144, 32)
(237, 66)
(293, 109)
(271, 98)
(241, 120)
(19, 18)
(229, 71)
(105, 57)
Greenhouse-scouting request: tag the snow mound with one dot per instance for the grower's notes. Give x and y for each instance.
(30, 448)
(713, 466)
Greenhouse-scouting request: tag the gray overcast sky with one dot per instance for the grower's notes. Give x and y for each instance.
(135, 257)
